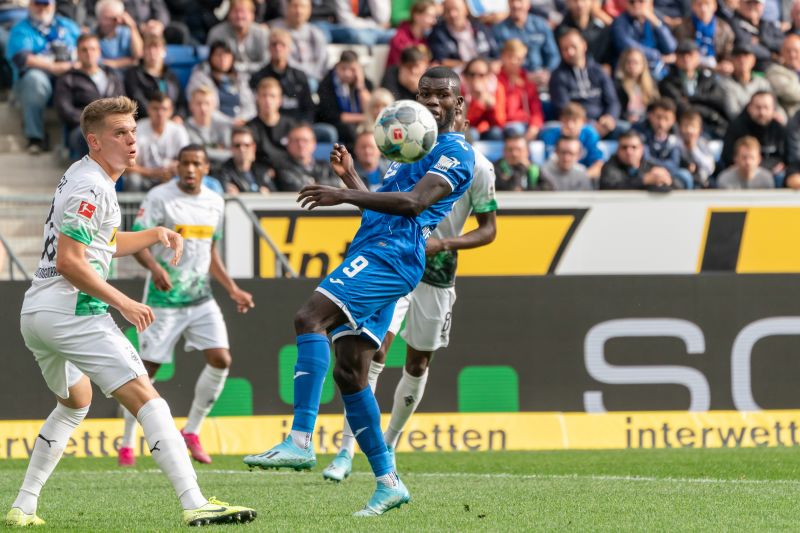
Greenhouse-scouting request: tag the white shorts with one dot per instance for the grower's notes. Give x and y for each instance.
(201, 325)
(429, 311)
(68, 346)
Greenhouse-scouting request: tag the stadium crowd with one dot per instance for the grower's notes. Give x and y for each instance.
(560, 94)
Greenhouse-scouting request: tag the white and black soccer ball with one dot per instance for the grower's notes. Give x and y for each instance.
(405, 131)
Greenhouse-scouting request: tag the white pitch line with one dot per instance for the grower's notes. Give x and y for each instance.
(467, 475)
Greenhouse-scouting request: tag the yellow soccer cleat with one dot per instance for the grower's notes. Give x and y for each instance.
(16, 518)
(217, 512)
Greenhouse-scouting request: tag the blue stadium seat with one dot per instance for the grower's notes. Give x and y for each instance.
(537, 151)
(716, 148)
(493, 150)
(181, 59)
(608, 148)
(9, 17)
(323, 151)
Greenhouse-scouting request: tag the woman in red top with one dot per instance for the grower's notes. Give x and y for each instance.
(414, 31)
(523, 107)
(486, 105)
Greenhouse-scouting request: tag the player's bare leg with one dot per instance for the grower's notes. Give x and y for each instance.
(127, 450)
(342, 465)
(208, 388)
(50, 444)
(311, 324)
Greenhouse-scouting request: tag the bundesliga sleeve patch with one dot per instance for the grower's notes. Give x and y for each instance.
(445, 163)
(86, 210)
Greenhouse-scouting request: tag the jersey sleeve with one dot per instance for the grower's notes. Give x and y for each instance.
(150, 215)
(481, 192)
(84, 211)
(454, 161)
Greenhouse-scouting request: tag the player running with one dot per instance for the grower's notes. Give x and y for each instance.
(180, 296)
(429, 306)
(65, 320)
(356, 301)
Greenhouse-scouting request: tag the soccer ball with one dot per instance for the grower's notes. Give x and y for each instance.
(405, 131)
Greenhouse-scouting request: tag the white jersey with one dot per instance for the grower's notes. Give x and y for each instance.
(198, 218)
(84, 208)
(440, 270)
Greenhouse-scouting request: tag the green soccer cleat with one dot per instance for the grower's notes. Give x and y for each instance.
(16, 518)
(284, 455)
(385, 499)
(340, 467)
(217, 512)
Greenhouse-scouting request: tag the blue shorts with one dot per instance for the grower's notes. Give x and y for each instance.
(366, 289)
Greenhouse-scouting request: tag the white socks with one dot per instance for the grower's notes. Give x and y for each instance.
(169, 451)
(301, 439)
(209, 387)
(348, 440)
(129, 433)
(47, 450)
(390, 480)
(407, 396)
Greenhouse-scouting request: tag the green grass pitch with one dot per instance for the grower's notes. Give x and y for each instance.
(638, 490)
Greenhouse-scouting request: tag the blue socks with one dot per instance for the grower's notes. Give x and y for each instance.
(313, 359)
(364, 418)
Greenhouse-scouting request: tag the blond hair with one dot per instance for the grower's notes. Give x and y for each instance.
(267, 83)
(247, 3)
(204, 90)
(94, 114)
(645, 80)
(748, 141)
(514, 46)
(281, 34)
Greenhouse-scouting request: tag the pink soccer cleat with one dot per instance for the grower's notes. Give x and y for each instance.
(126, 457)
(195, 448)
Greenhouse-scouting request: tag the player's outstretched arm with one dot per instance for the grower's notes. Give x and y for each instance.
(342, 165)
(243, 299)
(429, 190)
(72, 264)
(484, 234)
(130, 242)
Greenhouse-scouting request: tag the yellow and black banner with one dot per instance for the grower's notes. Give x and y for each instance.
(529, 242)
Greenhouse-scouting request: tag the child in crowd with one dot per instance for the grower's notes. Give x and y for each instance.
(662, 147)
(696, 155)
(573, 124)
(746, 172)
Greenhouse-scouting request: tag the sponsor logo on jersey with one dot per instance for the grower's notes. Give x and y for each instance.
(445, 163)
(86, 210)
(113, 240)
(188, 231)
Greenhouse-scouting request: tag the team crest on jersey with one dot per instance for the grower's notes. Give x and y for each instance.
(86, 210)
(445, 163)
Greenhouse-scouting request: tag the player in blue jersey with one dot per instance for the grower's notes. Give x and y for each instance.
(355, 303)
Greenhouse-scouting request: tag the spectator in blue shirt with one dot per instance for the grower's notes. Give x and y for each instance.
(120, 41)
(535, 33)
(640, 28)
(572, 123)
(40, 47)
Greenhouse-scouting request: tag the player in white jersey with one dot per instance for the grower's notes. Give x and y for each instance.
(429, 306)
(181, 295)
(65, 321)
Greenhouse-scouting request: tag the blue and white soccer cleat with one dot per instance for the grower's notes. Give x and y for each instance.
(340, 467)
(284, 455)
(385, 499)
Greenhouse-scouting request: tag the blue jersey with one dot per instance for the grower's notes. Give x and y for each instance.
(401, 240)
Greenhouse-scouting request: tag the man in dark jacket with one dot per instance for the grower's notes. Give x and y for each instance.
(629, 169)
(458, 33)
(579, 79)
(758, 120)
(81, 86)
(297, 102)
(301, 169)
(402, 80)
(152, 76)
(345, 92)
(763, 36)
(692, 87)
(270, 128)
(242, 173)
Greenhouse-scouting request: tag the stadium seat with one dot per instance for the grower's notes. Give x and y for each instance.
(323, 151)
(537, 151)
(608, 148)
(181, 59)
(9, 17)
(716, 148)
(493, 150)
(377, 65)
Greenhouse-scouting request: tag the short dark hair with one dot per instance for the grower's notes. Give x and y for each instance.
(242, 130)
(566, 138)
(630, 134)
(85, 37)
(158, 97)
(411, 55)
(302, 126)
(691, 115)
(193, 148)
(664, 104)
(348, 56)
(570, 31)
(513, 136)
(443, 73)
(762, 93)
